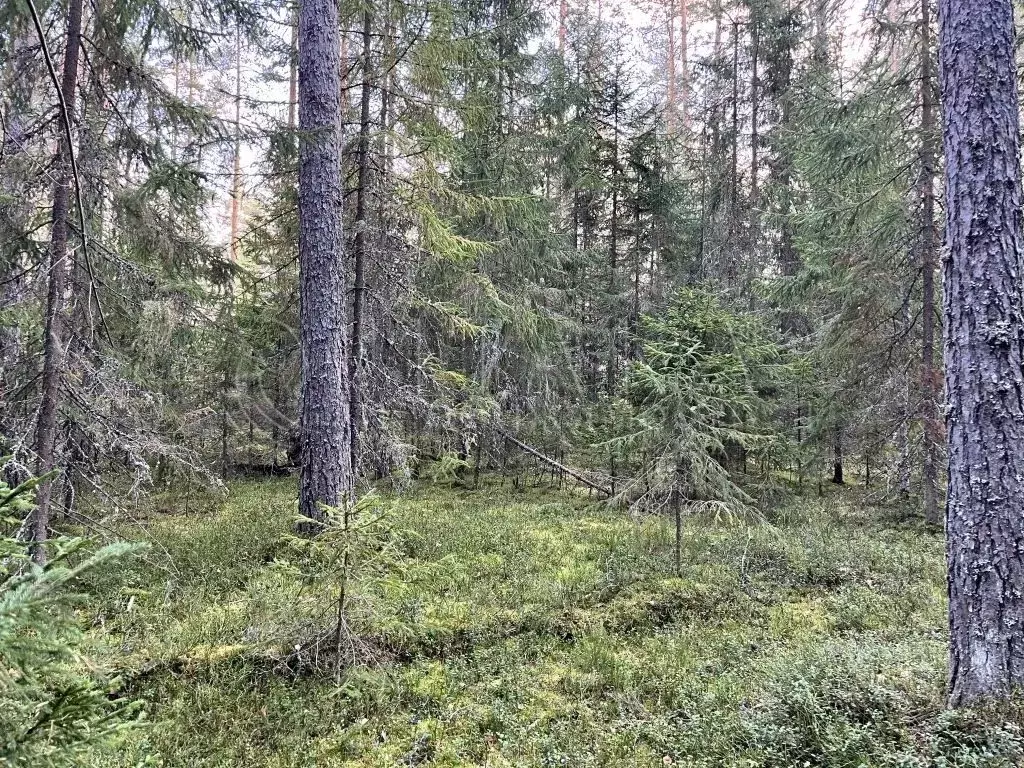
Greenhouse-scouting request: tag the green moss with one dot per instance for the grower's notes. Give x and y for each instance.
(536, 629)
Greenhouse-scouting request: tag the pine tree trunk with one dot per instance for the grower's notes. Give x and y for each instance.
(984, 349)
(59, 269)
(326, 475)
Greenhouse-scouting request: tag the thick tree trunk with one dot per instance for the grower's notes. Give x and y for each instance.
(984, 349)
(59, 269)
(326, 476)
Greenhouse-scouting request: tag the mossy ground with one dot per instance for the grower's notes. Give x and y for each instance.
(538, 629)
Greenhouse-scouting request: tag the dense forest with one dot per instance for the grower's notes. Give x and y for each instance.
(511, 383)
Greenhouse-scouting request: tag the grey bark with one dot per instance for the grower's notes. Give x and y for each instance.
(16, 90)
(983, 349)
(359, 257)
(56, 323)
(326, 475)
(932, 432)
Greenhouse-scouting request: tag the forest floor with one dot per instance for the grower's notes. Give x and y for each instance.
(535, 628)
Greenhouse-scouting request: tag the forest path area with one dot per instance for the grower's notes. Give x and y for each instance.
(538, 629)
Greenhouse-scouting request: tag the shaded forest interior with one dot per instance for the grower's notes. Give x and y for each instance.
(354, 357)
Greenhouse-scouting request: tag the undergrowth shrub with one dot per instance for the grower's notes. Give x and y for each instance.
(983, 738)
(55, 706)
(847, 705)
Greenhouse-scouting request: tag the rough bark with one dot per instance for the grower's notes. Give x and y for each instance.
(58, 265)
(326, 475)
(983, 349)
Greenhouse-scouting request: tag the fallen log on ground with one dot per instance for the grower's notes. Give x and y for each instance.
(575, 474)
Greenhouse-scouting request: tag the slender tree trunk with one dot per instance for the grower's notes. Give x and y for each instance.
(670, 59)
(15, 207)
(820, 45)
(613, 253)
(735, 184)
(755, 193)
(792, 321)
(359, 257)
(236, 175)
(677, 512)
(225, 423)
(837, 457)
(343, 84)
(326, 475)
(684, 64)
(177, 95)
(633, 349)
(984, 349)
(903, 469)
(55, 335)
(563, 14)
(716, 48)
(293, 71)
(932, 432)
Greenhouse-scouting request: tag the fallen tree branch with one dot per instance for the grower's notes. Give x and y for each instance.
(575, 474)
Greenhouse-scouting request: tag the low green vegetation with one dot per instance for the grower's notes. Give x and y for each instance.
(530, 628)
(57, 708)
